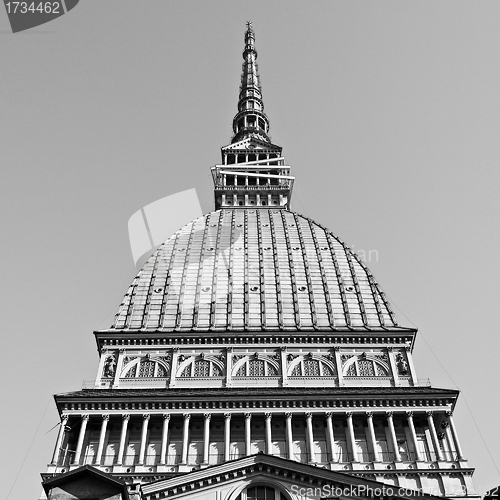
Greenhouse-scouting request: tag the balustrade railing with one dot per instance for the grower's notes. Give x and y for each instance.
(254, 187)
(215, 458)
(301, 457)
(66, 458)
(173, 459)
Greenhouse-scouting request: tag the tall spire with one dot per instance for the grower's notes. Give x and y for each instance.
(250, 121)
(253, 171)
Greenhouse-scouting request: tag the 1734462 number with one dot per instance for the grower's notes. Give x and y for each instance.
(34, 7)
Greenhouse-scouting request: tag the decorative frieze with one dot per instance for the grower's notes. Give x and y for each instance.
(295, 367)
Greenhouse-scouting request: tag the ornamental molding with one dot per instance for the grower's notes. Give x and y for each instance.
(379, 407)
(338, 340)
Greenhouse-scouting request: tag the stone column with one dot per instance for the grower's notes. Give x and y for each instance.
(185, 438)
(227, 436)
(350, 429)
(397, 456)
(164, 439)
(269, 444)
(248, 433)
(60, 437)
(102, 437)
(289, 436)
(460, 455)
(310, 437)
(81, 437)
(206, 436)
(144, 436)
(123, 436)
(330, 439)
(371, 432)
(411, 425)
(435, 441)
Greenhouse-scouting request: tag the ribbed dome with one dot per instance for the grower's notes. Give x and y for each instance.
(262, 269)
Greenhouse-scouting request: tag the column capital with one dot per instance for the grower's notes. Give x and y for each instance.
(448, 413)
(369, 414)
(105, 416)
(227, 416)
(390, 348)
(328, 414)
(207, 416)
(268, 416)
(248, 416)
(229, 348)
(409, 414)
(64, 419)
(389, 414)
(336, 348)
(85, 417)
(126, 416)
(429, 413)
(288, 415)
(348, 414)
(186, 416)
(445, 424)
(166, 416)
(121, 350)
(146, 416)
(309, 414)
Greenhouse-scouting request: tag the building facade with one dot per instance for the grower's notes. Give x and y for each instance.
(255, 356)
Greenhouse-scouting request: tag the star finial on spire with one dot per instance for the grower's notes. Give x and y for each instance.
(249, 25)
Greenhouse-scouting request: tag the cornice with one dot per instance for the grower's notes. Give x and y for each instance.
(156, 338)
(257, 400)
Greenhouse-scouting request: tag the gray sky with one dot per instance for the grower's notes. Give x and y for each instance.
(388, 113)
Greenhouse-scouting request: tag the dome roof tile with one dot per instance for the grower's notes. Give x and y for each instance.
(262, 269)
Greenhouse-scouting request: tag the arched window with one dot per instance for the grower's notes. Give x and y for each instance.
(201, 368)
(145, 368)
(306, 366)
(255, 367)
(366, 366)
(261, 493)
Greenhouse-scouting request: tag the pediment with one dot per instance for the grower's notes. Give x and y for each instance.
(252, 143)
(226, 481)
(84, 483)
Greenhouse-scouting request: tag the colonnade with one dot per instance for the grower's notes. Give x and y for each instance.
(326, 417)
